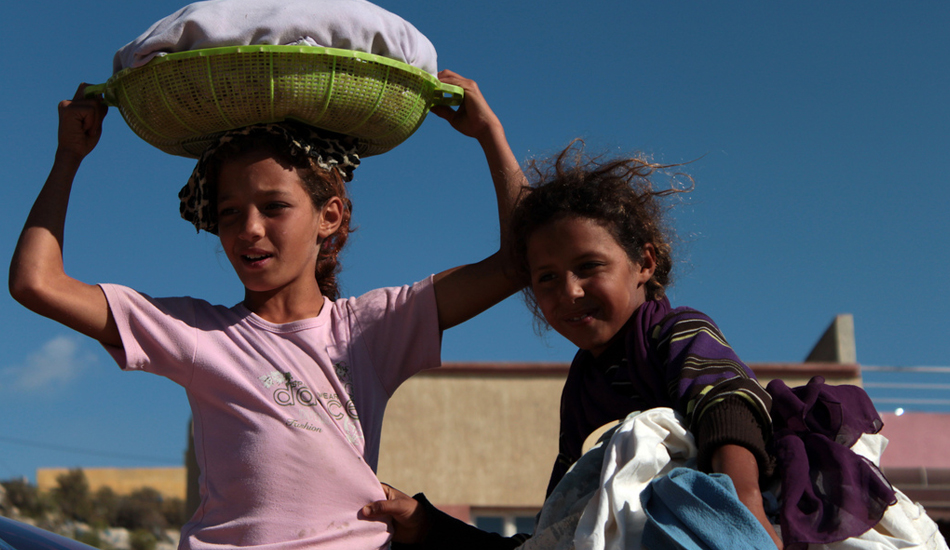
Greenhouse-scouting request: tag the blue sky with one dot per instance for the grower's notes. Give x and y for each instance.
(819, 134)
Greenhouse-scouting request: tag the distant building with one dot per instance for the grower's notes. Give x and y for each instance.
(917, 459)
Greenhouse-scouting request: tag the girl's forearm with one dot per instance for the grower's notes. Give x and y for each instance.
(38, 279)
(475, 118)
(506, 175)
(465, 291)
(740, 465)
(38, 257)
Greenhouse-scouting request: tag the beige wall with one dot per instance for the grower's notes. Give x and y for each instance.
(478, 435)
(170, 482)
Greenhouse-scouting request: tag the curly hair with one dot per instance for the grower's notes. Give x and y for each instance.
(320, 184)
(617, 193)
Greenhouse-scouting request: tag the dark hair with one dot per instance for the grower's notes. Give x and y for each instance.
(617, 193)
(321, 184)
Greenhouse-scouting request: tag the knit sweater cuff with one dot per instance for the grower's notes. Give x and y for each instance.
(731, 422)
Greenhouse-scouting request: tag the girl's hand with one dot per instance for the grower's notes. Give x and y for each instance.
(474, 118)
(80, 125)
(410, 523)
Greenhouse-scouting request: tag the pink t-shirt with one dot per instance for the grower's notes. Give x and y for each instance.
(287, 418)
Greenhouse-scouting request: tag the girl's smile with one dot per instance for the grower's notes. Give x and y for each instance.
(584, 283)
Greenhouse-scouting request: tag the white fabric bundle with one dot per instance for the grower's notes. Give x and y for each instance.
(597, 505)
(644, 446)
(345, 24)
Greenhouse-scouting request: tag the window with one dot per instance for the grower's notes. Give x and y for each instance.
(505, 522)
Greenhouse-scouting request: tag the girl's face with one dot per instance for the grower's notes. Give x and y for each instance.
(584, 283)
(268, 225)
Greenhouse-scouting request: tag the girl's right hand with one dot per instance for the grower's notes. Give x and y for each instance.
(409, 518)
(80, 125)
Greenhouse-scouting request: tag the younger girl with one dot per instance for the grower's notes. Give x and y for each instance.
(590, 244)
(288, 387)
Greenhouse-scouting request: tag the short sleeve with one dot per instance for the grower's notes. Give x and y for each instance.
(158, 335)
(399, 330)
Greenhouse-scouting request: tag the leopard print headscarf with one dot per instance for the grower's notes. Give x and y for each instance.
(330, 151)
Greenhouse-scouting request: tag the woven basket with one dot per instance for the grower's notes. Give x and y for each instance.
(182, 102)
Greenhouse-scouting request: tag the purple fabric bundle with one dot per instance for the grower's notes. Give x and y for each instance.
(829, 493)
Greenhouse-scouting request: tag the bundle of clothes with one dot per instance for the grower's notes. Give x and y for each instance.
(638, 486)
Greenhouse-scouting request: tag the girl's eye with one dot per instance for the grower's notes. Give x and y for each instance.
(275, 207)
(544, 278)
(226, 212)
(588, 266)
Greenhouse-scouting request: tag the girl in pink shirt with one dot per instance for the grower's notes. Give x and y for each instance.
(288, 387)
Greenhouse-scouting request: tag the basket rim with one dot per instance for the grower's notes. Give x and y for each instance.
(269, 48)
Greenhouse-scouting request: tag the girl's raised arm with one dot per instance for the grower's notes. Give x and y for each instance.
(37, 277)
(465, 291)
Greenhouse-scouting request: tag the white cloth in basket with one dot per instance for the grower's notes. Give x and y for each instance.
(345, 24)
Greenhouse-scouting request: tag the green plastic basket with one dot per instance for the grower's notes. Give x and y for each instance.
(182, 102)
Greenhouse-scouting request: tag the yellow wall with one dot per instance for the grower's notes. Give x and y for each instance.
(170, 482)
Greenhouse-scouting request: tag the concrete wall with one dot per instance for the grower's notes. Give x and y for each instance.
(476, 435)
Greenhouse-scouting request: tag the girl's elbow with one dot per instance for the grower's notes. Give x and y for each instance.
(25, 293)
(19, 284)
(29, 289)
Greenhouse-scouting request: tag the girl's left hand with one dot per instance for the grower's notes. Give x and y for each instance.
(410, 522)
(474, 118)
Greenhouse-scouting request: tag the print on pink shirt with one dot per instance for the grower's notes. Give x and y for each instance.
(336, 401)
(351, 423)
(291, 392)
